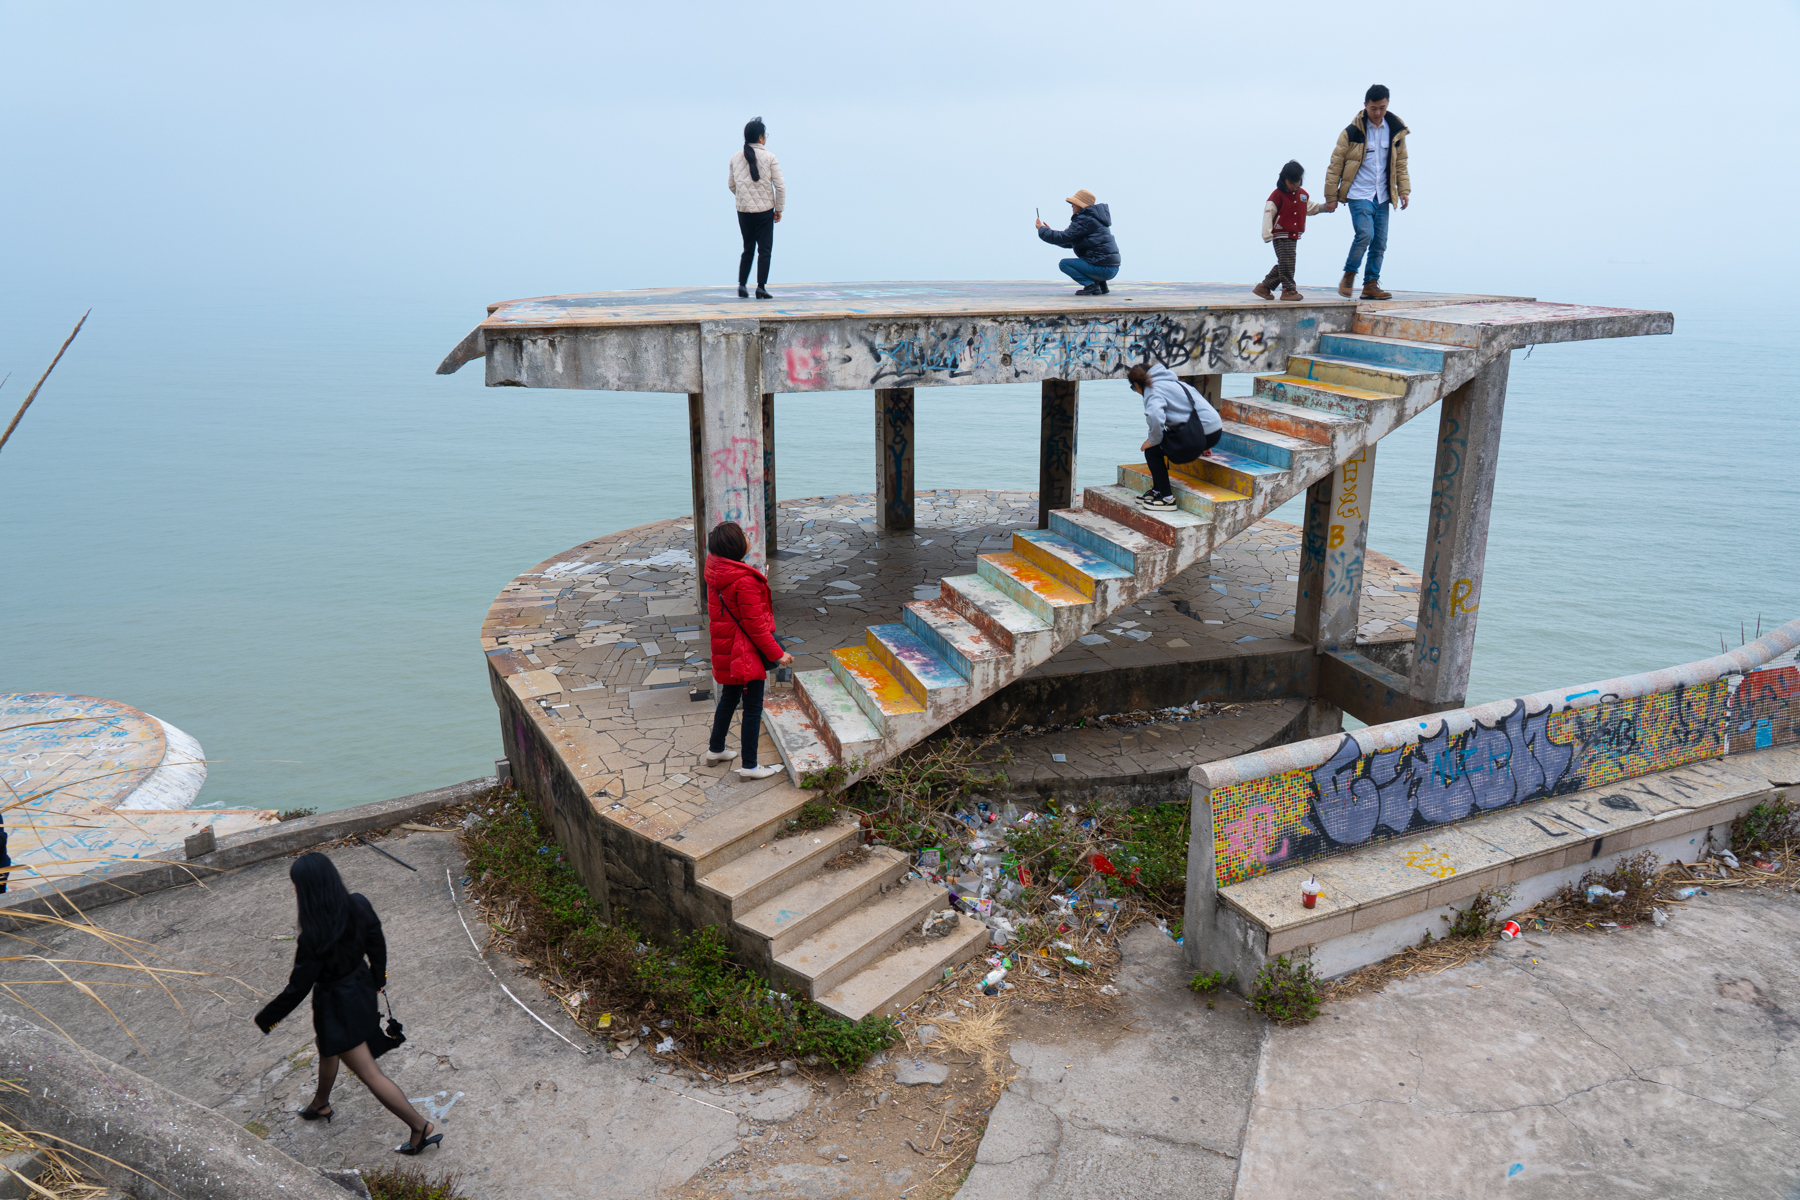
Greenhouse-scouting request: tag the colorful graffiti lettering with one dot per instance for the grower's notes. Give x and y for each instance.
(1356, 798)
(1766, 710)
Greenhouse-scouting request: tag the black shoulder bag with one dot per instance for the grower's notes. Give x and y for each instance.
(768, 663)
(1185, 442)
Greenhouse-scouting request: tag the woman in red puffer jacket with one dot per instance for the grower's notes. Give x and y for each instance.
(743, 634)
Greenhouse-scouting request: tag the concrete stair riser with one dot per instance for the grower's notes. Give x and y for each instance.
(1181, 531)
(972, 653)
(1125, 547)
(1070, 562)
(820, 899)
(874, 688)
(750, 823)
(1355, 403)
(885, 987)
(914, 663)
(1221, 506)
(834, 710)
(1389, 352)
(1331, 430)
(841, 949)
(1248, 442)
(1050, 600)
(1010, 625)
(770, 869)
(1372, 377)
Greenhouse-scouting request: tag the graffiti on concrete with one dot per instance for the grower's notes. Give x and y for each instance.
(1057, 347)
(1766, 710)
(1356, 798)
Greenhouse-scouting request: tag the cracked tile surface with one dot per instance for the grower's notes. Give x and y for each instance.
(601, 641)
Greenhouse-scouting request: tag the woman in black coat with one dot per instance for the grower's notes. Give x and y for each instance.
(341, 958)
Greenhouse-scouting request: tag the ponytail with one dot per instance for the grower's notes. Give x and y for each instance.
(753, 132)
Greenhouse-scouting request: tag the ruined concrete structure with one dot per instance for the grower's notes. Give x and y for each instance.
(1332, 378)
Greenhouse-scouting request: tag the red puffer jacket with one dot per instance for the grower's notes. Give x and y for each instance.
(734, 657)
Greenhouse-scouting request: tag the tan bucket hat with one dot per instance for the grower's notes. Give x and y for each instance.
(1082, 199)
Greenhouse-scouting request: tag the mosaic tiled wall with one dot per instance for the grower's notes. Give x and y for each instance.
(1355, 798)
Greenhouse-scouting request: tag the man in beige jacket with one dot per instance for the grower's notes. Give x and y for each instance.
(1368, 170)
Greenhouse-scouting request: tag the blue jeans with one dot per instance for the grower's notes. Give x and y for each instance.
(1369, 218)
(1086, 273)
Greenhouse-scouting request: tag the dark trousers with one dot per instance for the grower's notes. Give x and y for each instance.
(1159, 466)
(752, 694)
(1283, 271)
(759, 235)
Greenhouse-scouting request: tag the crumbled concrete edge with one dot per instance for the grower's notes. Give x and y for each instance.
(135, 1134)
(84, 893)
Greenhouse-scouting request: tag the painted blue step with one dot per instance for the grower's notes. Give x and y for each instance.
(1238, 461)
(1117, 543)
(1264, 452)
(907, 654)
(1388, 352)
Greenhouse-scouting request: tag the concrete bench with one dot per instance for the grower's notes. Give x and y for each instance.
(1379, 900)
(1403, 823)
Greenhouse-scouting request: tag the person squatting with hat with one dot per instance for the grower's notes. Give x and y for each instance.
(1090, 235)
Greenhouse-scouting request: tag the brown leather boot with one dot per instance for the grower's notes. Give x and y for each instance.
(1262, 290)
(1372, 291)
(1346, 283)
(1288, 293)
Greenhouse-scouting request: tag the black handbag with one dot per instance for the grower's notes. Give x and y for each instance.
(1186, 441)
(392, 1037)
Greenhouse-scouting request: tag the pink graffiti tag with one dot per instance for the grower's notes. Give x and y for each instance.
(739, 467)
(1248, 837)
(805, 365)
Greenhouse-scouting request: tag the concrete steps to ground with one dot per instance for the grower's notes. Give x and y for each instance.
(844, 934)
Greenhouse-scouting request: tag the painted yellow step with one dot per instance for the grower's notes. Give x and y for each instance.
(859, 668)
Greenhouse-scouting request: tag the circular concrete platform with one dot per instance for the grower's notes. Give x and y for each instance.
(603, 642)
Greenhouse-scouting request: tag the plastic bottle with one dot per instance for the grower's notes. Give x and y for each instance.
(993, 977)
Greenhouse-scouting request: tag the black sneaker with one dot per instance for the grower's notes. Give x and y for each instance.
(1092, 289)
(1103, 288)
(1156, 499)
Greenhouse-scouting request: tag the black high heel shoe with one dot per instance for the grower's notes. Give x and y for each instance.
(410, 1147)
(310, 1113)
(743, 292)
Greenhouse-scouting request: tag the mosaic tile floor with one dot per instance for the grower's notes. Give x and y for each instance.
(603, 640)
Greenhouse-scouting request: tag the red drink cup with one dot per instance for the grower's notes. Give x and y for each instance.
(1309, 893)
(1510, 930)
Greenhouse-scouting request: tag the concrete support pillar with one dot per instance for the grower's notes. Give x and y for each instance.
(1210, 386)
(697, 479)
(1462, 497)
(1331, 554)
(1057, 437)
(894, 459)
(768, 426)
(726, 437)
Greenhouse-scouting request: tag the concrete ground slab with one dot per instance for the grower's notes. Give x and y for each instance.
(1156, 1113)
(524, 1114)
(1655, 1063)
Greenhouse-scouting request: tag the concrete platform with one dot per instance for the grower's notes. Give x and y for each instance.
(602, 643)
(95, 786)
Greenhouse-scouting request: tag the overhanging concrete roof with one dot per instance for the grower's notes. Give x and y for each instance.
(846, 336)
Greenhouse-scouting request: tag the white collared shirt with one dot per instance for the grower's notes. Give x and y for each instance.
(1371, 181)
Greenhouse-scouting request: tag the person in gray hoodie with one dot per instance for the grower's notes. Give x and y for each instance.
(1183, 427)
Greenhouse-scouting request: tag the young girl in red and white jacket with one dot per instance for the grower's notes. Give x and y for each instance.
(742, 617)
(1284, 220)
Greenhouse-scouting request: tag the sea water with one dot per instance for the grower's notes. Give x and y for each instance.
(268, 522)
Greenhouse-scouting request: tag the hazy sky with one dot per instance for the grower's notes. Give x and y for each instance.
(1626, 153)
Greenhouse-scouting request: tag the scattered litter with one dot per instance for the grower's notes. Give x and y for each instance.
(1061, 758)
(1109, 990)
(1730, 859)
(1660, 917)
(666, 1046)
(1688, 893)
(1596, 893)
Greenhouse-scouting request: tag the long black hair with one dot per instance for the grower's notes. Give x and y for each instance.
(753, 133)
(323, 899)
(1291, 172)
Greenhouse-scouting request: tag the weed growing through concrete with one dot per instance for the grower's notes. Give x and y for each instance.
(1771, 827)
(1287, 991)
(413, 1183)
(1208, 982)
(689, 990)
(294, 814)
(1481, 919)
